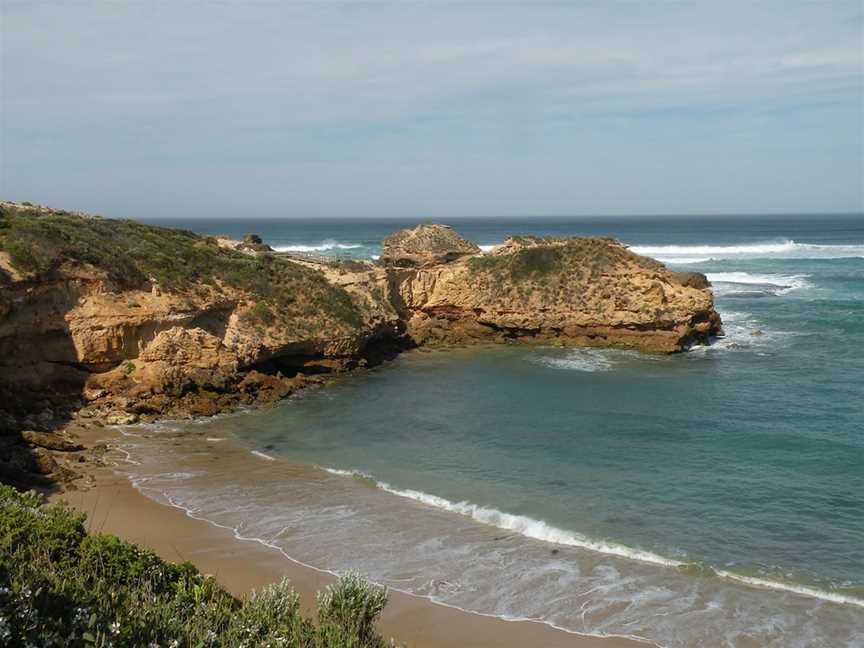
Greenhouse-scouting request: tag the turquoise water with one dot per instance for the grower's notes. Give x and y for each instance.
(714, 497)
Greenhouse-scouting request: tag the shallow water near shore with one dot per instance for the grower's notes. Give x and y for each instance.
(709, 498)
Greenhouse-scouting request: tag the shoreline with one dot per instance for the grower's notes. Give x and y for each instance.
(113, 505)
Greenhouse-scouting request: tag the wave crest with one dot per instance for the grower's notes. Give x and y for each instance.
(540, 530)
(329, 244)
(772, 284)
(782, 249)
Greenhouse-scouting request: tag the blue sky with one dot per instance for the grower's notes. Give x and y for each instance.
(434, 109)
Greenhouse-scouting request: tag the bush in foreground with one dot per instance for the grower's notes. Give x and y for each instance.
(60, 586)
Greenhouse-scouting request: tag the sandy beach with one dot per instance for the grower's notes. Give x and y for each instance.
(114, 506)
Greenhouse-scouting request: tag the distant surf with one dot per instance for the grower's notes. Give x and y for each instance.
(774, 284)
(782, 249)
(323, 246)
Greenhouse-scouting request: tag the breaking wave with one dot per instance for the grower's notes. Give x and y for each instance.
(783, 249)
(540, 530)
(324, 246)
(726, 283)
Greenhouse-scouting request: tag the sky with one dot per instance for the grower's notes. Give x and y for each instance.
(230, 109)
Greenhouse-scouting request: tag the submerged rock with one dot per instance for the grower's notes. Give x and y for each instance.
(50, 441)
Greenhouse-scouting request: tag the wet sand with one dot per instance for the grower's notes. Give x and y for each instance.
(115, 506)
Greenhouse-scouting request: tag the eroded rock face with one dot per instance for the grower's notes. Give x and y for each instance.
(426, 245)
(578, 291)
(70, 335)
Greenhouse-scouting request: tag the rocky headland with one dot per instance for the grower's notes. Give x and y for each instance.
(113, 322)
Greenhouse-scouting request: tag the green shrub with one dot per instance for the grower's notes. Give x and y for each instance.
(126, 564)
(262, 313)
(56, 530)
(62, 587)
(535, 262)
(353, 605)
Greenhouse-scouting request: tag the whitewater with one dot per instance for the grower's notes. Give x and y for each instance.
(540, 530)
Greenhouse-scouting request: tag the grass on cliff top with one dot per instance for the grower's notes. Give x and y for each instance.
(60, 586)
(132, 254)
(556, 271)
(576, 256)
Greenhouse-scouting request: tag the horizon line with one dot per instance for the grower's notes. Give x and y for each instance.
(515, 216)
(769, 214)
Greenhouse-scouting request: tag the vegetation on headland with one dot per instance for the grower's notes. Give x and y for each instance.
(579, 257)
(564, 271)
(60, 586)
(133, 255)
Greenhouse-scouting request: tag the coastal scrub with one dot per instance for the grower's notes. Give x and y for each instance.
(134, 255)
(60, 586)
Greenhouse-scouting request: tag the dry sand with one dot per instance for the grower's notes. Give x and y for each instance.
(114, 506)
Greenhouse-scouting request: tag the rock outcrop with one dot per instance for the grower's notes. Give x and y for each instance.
(253, 242)
(125, 322)
(577, 291)
(426, 245)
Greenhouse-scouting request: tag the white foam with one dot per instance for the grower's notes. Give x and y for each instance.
(329, 244)
(783, 249)
(683, 260)
(804, 590)
(489, 248)
(347, 473)
(526, 526)
(262, 455)
(578, 360)
(190, 512)
(215, 438)
(776, 284)
(540, 530)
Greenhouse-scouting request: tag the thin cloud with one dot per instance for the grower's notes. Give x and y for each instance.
(125, 84)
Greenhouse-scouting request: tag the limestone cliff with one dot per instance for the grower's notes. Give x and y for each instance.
(130, 321)
(576, 291)
(135, 320)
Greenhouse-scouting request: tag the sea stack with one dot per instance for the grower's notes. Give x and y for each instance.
(569, 291)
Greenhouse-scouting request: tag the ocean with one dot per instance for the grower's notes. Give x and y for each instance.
(709, 498)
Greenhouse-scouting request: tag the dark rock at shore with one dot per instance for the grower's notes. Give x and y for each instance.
(50, 441)
(254, 242)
